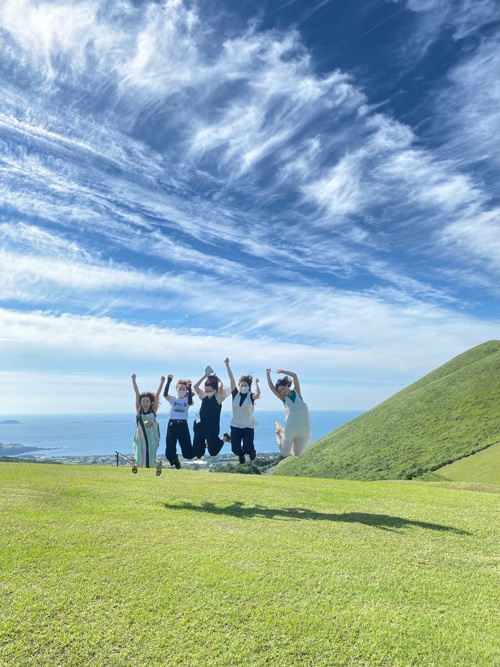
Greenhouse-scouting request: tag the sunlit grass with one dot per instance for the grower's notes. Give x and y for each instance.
(102, 567)
(483, 467)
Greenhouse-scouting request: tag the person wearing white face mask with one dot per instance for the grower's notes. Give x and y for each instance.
(243, 423)
(207, 427)
(177, 429)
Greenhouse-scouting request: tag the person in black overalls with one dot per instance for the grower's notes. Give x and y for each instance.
(206, 429)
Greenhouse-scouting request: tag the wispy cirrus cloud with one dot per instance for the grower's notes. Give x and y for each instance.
(461, 17)
(271, 99)
(477, 236)
(162, 165)
(468, 109)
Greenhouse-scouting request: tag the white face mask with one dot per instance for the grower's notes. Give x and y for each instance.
(181, 393)
(209, 394)
(244, 390)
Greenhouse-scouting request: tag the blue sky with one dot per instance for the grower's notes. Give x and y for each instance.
(290, 184)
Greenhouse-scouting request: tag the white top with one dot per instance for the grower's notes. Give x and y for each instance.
(297, 423)
(243, 414)
(179, 407)
(218, 396)
(222, 397)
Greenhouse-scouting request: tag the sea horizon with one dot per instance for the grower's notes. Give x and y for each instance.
(103, 433)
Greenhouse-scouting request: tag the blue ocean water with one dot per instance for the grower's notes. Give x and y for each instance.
(103, 434)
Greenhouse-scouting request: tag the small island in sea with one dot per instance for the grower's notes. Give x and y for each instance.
(10, 421)
(15, 449)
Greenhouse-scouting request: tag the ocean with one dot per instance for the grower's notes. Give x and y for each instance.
(103, 434)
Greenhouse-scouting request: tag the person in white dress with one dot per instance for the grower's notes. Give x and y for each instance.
(294, 437)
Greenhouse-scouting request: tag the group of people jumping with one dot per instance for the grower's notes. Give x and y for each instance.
(293, 438)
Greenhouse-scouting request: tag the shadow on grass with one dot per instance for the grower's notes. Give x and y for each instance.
(242, 511)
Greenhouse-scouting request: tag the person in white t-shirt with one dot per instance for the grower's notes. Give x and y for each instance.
(177, 429)
(243, 423)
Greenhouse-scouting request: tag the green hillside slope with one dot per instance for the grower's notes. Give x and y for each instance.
(481, 468)
(102, 567)
(450, 413)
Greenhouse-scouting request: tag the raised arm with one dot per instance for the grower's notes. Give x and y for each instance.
(220, 389)
(230, 373)
(197, 389)
(158, 394)
(167, 387)
(271, 386)
(296, 384)
(257, 393)
(137, 394)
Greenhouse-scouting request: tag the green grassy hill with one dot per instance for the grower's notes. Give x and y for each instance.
(483, 467)
(448, 414)
(102, 567)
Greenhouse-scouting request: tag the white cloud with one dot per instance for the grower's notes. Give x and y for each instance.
(346, 330)
(46, 29)
(477, 236)
(464, 18)
(245, 180)
(373, 361)
(468, 109)
(387, 170)
(26, 238)
(340, 192)
(89, 173)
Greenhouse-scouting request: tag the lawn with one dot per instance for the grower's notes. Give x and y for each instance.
(483, 467)
(100, 567)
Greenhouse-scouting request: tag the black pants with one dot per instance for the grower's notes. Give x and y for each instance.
(209, 433)
(242, 434)
(178, 430)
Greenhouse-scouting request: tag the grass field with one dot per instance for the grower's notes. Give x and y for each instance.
(100, 567)
(450, 413)
(483, 467)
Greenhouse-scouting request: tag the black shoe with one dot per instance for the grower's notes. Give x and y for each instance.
(253, 455)
(176, 463)
(242, 458)
(227, 436)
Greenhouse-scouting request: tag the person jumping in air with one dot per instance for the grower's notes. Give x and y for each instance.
(295, 436)
(206, 429)
(243, 423)
(147, 434)
(177, 429)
